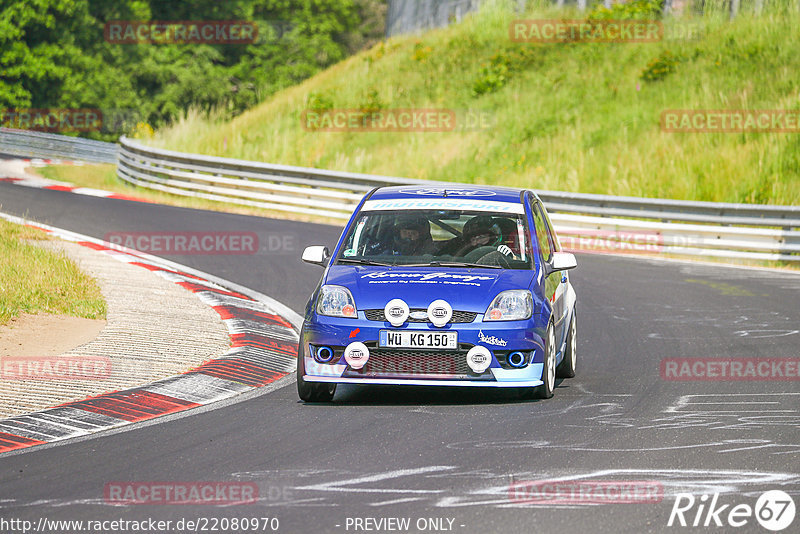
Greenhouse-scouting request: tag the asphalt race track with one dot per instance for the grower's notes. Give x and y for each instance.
(452, 454)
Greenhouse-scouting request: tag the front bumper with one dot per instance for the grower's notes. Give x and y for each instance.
(427, 382)
(425, 367)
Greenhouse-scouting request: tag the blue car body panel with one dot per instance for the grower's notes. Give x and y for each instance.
(465, 289)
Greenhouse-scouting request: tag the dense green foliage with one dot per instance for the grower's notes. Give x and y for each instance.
(53, 54)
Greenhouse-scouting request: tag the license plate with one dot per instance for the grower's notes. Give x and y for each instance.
(418, 339)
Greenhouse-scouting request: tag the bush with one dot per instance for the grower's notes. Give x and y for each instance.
(372, 102)
(495, 74)
(319, 102)
(658, 68)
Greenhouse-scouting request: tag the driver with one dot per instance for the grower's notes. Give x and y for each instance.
(482, 231)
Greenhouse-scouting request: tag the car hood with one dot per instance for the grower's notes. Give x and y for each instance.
(465, 289)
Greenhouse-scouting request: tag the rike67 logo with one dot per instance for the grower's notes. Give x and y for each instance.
(774, 510)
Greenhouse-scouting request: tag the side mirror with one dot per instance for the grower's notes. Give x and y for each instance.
(562, 261)
(317, 254)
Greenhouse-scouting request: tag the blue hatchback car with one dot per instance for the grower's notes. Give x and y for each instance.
(441, 286)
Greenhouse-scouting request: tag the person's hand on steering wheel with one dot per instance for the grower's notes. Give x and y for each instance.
(505, 250)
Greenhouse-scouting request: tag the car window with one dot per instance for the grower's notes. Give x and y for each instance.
(553, 237)
(542, 234)
(422, 237)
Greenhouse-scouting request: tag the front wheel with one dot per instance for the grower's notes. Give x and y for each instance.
(566, 369)
(545, 391)
(311, 391)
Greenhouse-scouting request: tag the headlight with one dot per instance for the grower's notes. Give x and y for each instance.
(512, 305)
(336, 301)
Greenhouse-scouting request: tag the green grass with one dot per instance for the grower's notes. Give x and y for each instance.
(33, 279)
(96, 176)
(576, 117)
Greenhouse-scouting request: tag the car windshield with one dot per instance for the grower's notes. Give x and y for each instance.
(439, 238)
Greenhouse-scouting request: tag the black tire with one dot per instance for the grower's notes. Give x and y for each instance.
(566, 369)
(545, 391)
(311, 391)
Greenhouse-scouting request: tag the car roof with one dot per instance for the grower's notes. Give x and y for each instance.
(455, 190)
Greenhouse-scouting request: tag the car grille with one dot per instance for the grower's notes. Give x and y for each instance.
(458, 316)
(407, 363)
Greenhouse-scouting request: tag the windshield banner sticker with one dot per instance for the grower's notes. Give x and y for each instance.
(443, 204)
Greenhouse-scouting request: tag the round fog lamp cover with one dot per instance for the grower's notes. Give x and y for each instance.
(356, 354)
(440, 312)
(479, 358)
(396, 312)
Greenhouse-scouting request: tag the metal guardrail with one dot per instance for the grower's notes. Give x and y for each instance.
(279, 187)
(593, 223)
(748, 231)
(674, 210)
(32, 144)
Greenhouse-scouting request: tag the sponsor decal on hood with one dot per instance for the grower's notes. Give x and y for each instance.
(388, 277)
(491, 340)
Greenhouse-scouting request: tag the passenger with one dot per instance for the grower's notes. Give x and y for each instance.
(411, 236)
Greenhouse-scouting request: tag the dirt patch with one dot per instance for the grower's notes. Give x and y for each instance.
(46, 335)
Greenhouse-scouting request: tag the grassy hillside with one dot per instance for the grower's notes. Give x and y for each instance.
(578, 117)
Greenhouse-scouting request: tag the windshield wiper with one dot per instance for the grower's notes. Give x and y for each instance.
(463, 264)
(362, 261)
